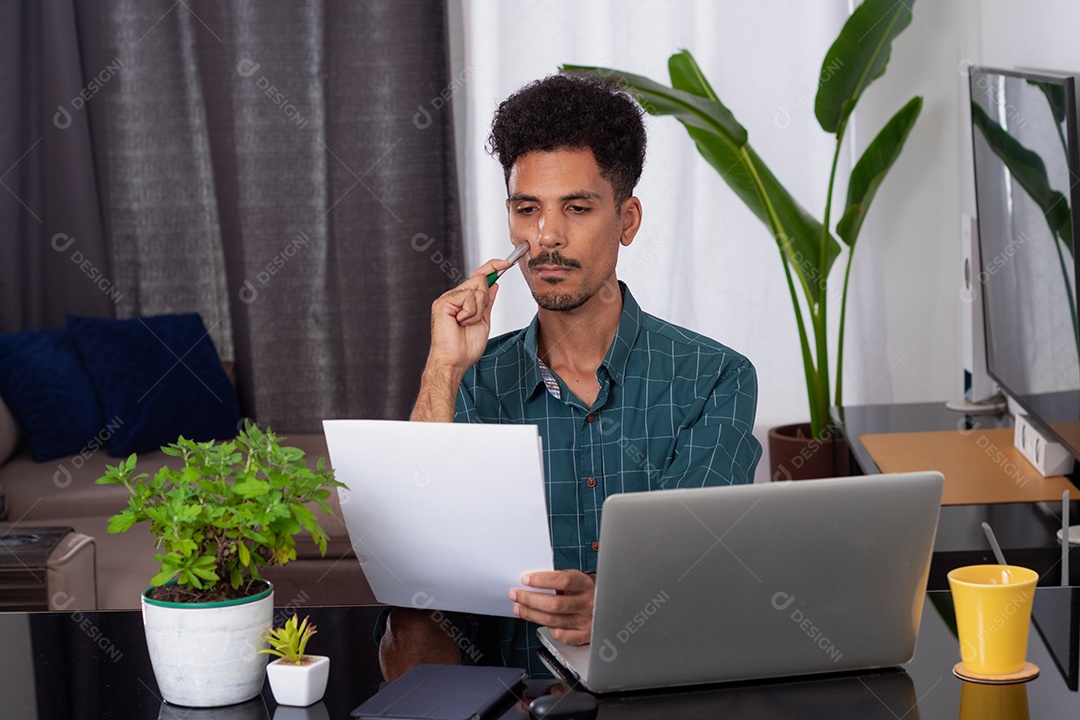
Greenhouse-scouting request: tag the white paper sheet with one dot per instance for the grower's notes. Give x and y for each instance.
(446, 516)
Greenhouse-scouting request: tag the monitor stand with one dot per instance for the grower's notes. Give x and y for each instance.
(996, 404)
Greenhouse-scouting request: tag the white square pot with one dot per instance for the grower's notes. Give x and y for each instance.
(299, 685)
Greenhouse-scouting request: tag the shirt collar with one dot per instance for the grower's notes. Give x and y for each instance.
(533, 378)
(618, 355)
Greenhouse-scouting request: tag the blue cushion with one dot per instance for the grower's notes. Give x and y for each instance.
(157, 378)
(48, 392)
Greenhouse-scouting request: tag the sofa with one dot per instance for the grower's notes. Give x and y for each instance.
(61, 491)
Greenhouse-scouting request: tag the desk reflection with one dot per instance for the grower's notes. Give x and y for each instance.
(1056, 617)
(877, 695)
(990, 702)
(254, 709)
(886, 695)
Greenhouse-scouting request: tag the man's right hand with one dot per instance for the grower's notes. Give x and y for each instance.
(461, 321)
(460, 326)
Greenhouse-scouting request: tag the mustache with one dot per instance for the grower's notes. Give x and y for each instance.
(549, 257)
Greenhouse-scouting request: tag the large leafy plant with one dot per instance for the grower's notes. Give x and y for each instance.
(232, 509)
(808, 247)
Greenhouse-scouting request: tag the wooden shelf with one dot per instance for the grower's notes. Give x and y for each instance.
(980, 466)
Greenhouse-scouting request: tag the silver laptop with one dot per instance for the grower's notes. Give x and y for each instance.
(757, 581)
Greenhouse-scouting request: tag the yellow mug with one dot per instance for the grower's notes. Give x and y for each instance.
(993, 614)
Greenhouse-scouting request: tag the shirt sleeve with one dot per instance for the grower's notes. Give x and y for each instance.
(718, 447)
(465, 407)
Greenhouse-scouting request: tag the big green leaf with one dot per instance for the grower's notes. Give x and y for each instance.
(857, 58)
(722, 141)
(799, 234)
(1027, 167)
(686, 75)
(872, 167)
(659, 99)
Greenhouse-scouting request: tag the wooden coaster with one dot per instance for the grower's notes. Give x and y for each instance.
(1030, 671)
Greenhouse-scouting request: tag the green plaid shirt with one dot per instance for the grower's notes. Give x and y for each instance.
(675, 410)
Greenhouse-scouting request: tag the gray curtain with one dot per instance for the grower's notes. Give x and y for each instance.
(53, 257)
(283, 168)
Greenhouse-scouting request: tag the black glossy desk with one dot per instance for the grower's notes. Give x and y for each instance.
(1027, 532)
(72, 666)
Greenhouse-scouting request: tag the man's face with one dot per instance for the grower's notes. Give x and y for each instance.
(564, 209)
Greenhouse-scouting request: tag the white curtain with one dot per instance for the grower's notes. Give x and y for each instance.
(701, 259)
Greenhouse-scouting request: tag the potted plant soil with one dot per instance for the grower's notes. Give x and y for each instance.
(233, 508)
(295, 678)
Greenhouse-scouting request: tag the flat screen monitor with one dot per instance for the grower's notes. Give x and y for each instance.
(1028, 199)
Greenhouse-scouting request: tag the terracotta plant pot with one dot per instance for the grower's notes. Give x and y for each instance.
(795, 455)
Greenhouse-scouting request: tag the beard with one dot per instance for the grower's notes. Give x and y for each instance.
(560, 301)
(555, 300)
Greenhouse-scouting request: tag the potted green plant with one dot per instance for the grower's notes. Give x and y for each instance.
(808, 247)
(232, 509)
(296, 679)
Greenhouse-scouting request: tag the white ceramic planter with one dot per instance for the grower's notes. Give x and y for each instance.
(299, 685)
(206, 654)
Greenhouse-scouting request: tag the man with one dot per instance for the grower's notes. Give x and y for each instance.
(624, 401)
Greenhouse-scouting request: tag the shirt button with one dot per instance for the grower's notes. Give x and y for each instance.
(591, 482)
(596, 547)
(590, 417)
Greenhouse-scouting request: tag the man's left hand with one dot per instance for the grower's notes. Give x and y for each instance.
(568, 613)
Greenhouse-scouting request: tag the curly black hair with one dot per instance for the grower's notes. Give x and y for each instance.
(572, 112)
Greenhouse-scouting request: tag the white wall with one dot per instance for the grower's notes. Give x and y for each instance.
(1039, 34)
(903, 341)
(701, 260)
(907, 263)
(912, 253)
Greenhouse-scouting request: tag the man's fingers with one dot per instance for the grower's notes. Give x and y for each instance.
(569, 612)
(555, 604)
(492, 292)
(493, 265)
(570, 629)
(549, 619)
(571, 581)
(540, 618)
(470, 305)
(572, 637)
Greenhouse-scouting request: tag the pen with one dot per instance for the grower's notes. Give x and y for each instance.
(512, 258)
